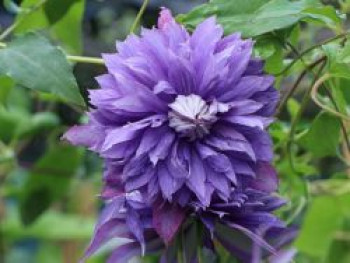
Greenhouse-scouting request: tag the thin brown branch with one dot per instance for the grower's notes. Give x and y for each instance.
(291, 91)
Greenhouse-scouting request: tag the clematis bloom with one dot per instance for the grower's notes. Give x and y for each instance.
(180, 121)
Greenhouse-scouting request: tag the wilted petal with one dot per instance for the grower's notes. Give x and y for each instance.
(167, 219)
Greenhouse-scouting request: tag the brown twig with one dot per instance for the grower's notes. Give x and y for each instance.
(291, 91)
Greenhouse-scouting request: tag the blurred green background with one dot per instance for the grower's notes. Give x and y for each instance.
(49, 190)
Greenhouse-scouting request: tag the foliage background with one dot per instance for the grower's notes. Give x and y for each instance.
(48, 189)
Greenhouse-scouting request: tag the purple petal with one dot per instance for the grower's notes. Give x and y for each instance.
(167, 219)
(87, 135)
(124, 253)
(266, 178)
(197, 178)
(168, 184)
(283, 256)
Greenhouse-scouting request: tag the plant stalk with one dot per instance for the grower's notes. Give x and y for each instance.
(139, 16)
(76, 59)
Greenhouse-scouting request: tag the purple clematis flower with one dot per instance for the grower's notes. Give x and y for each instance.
(180, 121)
(181, 116)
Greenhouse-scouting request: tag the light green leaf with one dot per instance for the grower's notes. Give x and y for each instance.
(11, 6)
(323, 136)
(57, 17)
(293, 107)
(51, 226)
(49, 253)
(37, 123)
(344, 53)
(269, 48)
(6, 84)
(338, 58)
(70, 39)
(48, 181)
(36, 64)
(322, 221)
(326, 15)
(257, 17)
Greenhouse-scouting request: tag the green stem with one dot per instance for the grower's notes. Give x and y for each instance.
(18, 22)
(182, 246)
(139, 16)
(82, 59)
(314, 93)
(77, 59)
(295, 121)
(290, 92)
(297, 211)
(305, 52)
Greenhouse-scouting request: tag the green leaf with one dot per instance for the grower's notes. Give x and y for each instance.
(11, 6)
(37, 123)
(337, 60)
(36, 64)
(6, 84)
(9, 122)
(49, 253)
(57, 17)
(270, 49)
(51, 226)
(70, 39)
(16, 124)
(48, 181)
(293, 107)
(20, 99)
(339, 252)
(257, 17)
(326, 15)
(323, 136)
(322, 221)
(344, 53)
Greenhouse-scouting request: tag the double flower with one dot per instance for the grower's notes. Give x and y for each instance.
(180, 121)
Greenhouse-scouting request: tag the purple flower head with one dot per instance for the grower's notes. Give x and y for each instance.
(181, 116)
(180, 121)
(245, 225)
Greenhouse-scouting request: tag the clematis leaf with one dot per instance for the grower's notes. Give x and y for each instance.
(256, 17)
(31, 61)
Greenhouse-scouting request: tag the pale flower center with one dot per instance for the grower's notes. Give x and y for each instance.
(192, 117)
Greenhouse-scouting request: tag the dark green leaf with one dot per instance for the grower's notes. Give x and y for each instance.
(9, 122)
(48, 180)
(37, 123)
(323, 136)
(55, 10)
(257, 17)
(36, 64)
(339, 252)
